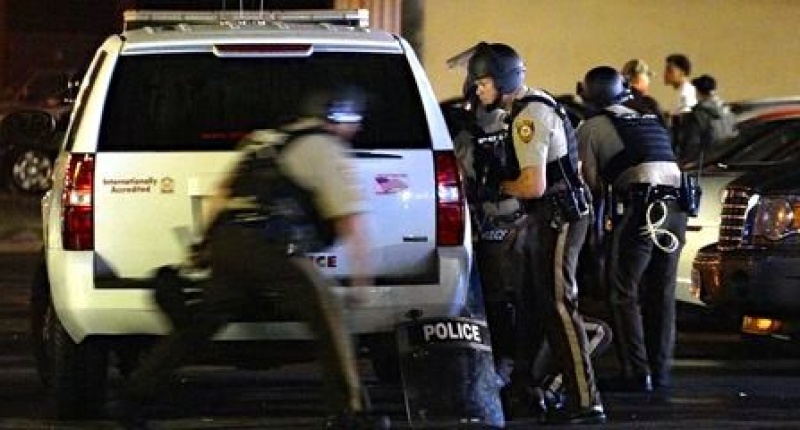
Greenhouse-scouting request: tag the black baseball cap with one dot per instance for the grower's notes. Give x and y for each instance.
(705, 84)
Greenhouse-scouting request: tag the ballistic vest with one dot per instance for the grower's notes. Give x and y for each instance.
(644, 139)
(286, 211)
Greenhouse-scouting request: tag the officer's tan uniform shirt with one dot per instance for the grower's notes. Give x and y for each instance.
(598, 142)
(320, 163)
(538, 132)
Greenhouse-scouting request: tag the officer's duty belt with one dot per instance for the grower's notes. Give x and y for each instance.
(649, 193)
(506, 220)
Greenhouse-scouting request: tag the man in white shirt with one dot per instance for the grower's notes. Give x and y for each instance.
(677, 71)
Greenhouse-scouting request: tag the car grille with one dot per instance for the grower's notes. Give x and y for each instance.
(734, 213)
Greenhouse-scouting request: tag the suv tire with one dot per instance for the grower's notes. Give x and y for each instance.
(75, 375)
(40, 301)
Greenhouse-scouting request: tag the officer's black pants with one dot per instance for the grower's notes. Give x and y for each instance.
(548, 302)
(498, 265)
(642, 293)
(244, 267)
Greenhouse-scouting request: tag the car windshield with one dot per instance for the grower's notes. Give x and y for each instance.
(199, 102)
(756, 144)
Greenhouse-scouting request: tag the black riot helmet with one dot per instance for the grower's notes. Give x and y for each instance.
(346, 104)
(499, 62)
(604, 86)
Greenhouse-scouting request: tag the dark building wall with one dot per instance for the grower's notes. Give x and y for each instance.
(3, 44)
(37, 34)
(50, 34)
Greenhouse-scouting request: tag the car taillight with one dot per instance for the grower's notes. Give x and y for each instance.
(77, 203)
(450, 222)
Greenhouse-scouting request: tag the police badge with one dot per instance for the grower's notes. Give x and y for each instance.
(523, 130)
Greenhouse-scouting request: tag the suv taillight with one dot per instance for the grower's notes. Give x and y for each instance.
(450, 222)
(77, 203)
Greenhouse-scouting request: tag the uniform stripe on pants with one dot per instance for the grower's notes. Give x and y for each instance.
(599, 339)
(566, 320)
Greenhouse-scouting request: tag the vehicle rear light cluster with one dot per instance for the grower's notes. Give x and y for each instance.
(77, 203)
(450, 216)
(734, 213)
(761, 326)
(263, 50)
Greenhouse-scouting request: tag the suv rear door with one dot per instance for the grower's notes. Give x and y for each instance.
(171, 123)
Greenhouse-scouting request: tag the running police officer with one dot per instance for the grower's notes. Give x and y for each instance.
(541, 171)
(272, 209)
(631, 153)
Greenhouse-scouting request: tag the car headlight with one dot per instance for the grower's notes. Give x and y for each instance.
(777, 217)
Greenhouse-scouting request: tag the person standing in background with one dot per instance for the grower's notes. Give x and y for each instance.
(677, 74)
(709, 121)
(638, 76)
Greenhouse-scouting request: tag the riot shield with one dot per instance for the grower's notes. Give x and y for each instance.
(448, 374)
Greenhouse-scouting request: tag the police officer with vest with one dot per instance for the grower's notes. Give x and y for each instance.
(539, 169)
(275, 206)
(630, 153)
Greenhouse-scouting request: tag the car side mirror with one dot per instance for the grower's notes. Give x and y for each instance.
(26, 128)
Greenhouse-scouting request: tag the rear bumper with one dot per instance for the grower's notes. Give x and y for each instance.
(87, 311)
(752, 282)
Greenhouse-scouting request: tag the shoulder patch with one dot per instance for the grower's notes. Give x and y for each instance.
(524, 129)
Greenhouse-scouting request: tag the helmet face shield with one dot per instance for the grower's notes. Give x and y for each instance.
(497, 61)
(482, 63)
(461, 60)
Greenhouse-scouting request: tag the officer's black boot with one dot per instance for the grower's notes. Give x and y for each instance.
(525, 402)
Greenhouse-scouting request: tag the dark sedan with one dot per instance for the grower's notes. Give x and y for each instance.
(29, 141)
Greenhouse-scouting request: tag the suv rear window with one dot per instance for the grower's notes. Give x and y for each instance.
(199, 102)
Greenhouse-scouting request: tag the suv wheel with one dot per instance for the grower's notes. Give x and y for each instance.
(30, 170)
(75, 375)
(40, 301)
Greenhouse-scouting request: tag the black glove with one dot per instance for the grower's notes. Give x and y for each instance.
(199, 255)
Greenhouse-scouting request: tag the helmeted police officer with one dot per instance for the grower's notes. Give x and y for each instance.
(540, 171)
(631, 152)
(274, 207)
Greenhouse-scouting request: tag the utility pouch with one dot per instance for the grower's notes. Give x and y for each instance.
(690, 194)
(572, 203)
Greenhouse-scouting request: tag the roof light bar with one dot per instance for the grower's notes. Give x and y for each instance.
(134, 19)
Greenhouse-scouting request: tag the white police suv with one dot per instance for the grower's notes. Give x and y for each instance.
(154, 128)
